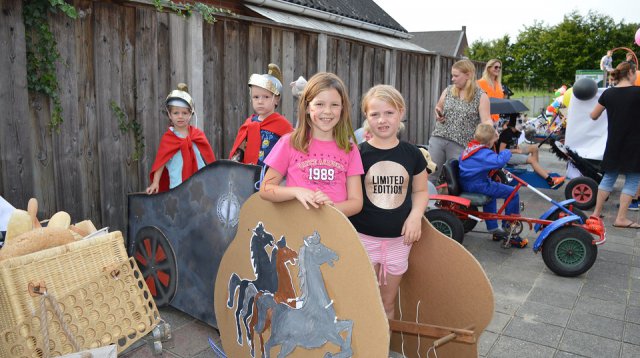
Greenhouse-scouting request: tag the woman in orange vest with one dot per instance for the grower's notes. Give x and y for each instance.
(491, 82)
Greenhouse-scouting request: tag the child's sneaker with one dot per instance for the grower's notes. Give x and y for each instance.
(499, 234)
(518, 242)
(556, 182)
(634, 205)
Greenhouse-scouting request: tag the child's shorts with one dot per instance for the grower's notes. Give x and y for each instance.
(390, 253)
(518, 158)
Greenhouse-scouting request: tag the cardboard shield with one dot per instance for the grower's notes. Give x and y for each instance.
(446, 286)
(178, 237)
(335, 305)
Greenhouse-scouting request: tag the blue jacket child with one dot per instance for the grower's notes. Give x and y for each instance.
(476, 161)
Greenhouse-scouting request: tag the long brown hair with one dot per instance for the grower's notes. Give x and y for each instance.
(468, 68)
(342, 132)
(623, 70)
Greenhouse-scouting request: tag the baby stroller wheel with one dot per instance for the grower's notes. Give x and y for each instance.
(584, 190)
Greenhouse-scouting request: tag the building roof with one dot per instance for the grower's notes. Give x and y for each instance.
(449, 43)
(362, 10)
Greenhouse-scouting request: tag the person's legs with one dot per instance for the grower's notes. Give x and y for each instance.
(438, 155)
(389, 293)
(537, 167)
(604, 189)
(628, 191)
(491, 207)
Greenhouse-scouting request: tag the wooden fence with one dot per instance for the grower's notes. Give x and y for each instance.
(132, 55)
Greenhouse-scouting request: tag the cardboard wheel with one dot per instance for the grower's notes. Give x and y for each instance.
(157, 262)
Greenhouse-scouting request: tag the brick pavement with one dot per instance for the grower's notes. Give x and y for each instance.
(537, 314)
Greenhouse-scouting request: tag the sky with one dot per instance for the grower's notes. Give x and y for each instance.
(490, 20)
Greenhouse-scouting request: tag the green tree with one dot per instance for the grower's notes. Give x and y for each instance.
(545, 57)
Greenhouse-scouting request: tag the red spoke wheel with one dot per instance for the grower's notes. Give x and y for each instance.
(584, 190)
(157, 262)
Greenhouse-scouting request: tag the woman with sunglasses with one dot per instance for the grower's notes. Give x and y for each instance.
(491, 82)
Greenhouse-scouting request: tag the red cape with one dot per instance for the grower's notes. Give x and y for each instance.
(275, 123)
(170, 144)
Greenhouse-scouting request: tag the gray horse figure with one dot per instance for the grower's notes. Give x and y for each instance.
(264, 268)
(313, 324)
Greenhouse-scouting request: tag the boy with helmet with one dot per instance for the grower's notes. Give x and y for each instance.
(260, 132)
(183, 149)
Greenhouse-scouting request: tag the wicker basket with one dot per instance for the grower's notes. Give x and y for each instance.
(114, 307)
(63, 269)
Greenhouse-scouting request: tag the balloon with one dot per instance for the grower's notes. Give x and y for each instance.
(557, 93)
(555, 104)
(638, 37)
(584, 89)
(566, 100)
(551, 109)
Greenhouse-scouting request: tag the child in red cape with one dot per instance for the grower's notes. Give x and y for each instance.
(183, 149)
(260, 132)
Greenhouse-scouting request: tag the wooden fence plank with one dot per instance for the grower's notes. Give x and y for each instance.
(194, 63)
(255, 50)
(133, 180)
(178, 38)
(288, 68)
(213, 86)
(147, 88)
(323, 50)
(420, 114)
(355, 90)
(15, 147)
(378, 67)
(66, 142)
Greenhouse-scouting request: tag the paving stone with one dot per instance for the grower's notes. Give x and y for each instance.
(634, 284)
(608, 280)
(506, 305)
(174, 317)
(561, 354)
(507, 347)
(612, 246)
(552, 297)
(634, 298)
(486, 341)
(559, 283)
(631, 333)
(191, 339)
(635, 273)
(535, 332)
(508, 287)
(589, 345)
(620, 240)
(539, 312)
(618, 257)
(630, 351)
(498, 322)
(604, 292)
(601, 307)
(609, 267)
(597, 325)
(633, 314)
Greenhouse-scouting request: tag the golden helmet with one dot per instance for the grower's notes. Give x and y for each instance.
(180, 98)
(271, 81)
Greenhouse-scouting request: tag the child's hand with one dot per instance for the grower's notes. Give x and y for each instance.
(412, 229)
(322, 198)
(306, 197)
(152, 189)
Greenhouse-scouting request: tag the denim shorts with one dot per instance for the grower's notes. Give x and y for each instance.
(631, 182)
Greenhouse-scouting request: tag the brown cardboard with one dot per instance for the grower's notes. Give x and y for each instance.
(351, 282)
(452, 290)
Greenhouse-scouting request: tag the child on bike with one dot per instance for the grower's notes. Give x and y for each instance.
(523, 153)
(476, 161)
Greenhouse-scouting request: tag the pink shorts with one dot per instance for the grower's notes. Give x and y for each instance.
(390, 253)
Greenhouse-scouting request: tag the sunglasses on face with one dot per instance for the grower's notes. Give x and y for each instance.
(497, 67)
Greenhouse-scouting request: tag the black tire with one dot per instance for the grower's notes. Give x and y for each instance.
(447, 223)
(584, 190)
(569, 251)
(556, 214)
(470, 224)
(157, 262)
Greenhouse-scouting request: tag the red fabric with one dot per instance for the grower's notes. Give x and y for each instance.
(275, 123)
(170, 144)
(472, 148)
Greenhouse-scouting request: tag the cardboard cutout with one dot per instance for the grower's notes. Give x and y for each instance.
(178, 237)
(445, 285)
(337, 308)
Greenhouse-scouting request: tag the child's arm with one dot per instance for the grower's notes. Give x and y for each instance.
(155, 184)
(503, 146)
(271, 190)
(412, 228)
(353, 204)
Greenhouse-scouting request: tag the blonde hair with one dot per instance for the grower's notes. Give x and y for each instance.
(342, 132)
(487, 76)
(385, 93)
(484, 133)
(468, 68)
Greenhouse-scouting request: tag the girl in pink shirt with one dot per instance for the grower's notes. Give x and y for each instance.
(319, 160)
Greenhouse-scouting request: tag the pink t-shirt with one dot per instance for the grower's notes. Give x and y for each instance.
(325, 167)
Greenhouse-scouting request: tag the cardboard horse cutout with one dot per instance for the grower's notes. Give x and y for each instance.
(326, 301)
